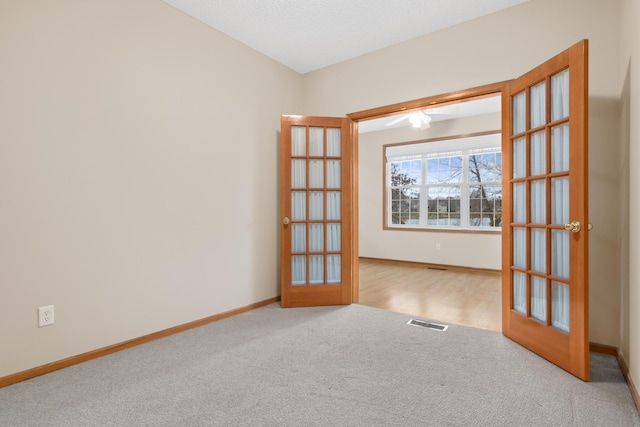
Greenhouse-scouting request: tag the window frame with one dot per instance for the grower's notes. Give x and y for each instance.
(464, 184)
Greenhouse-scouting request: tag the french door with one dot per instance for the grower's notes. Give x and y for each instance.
(316, 201)
(545, 292)
(545, 295)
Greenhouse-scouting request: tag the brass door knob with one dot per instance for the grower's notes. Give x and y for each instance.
(574, 226)
(286, 221)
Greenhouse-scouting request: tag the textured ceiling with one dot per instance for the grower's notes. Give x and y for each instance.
(312, 34)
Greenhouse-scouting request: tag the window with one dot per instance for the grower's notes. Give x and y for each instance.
(445, 184)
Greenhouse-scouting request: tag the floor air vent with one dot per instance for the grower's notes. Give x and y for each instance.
(437, 268)
(423, 324)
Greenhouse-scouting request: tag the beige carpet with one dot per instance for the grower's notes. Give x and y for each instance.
(329, 366)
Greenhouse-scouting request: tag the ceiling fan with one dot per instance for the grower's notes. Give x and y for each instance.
(421, 119)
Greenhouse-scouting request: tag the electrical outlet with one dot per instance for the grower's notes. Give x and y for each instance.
(437, 246)
(45, 316)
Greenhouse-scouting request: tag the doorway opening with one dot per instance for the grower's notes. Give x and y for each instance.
(421, 267)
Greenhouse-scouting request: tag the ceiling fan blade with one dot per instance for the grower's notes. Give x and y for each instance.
(398, 120)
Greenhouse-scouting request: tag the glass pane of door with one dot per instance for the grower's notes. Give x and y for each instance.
(334, 269)
(520, 248)
(560, 200)
(298, 239)
(520, 203)
(333, 173)
(519, 158)
(560, 306)
(333, 205)
(298, 141)
(560, 266)
(530, 211)
(298, 173)
(316, 205)
(540, 158)
(316, 173)
(316, 237)
(560, 96)
(519, 113)
(316, 142)
(316, 266)
(298, 205)
(538, 153)
(520, 292)
(298, 270)
(538, 105)
(560, 148)
(333, 142)
(539, 251)
(539, 298)
(539, 201)
(333, 237)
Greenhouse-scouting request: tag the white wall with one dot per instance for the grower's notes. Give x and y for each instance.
(138, 174)
(496, 48)
(459, 249)
(630, 230)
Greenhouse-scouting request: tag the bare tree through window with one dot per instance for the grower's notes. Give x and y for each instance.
(405, 192)
(485, 190)
(452, 183)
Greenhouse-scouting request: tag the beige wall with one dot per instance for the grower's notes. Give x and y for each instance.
(630, 184)
(459, 249)
(121, 129)
(495, 48)
(138, 173)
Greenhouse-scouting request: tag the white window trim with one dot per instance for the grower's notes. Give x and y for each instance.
(464, 146)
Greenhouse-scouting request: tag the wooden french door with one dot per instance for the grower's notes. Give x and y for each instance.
(316, 195)
(545, 292)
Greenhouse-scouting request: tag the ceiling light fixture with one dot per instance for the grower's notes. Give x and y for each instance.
(419, 120)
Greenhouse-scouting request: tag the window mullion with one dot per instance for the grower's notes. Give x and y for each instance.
(464, 193)
(423, 194)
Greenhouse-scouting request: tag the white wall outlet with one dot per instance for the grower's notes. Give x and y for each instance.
(45, 316)
(437, 246)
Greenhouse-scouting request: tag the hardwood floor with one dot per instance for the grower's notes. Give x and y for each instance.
(452, 296)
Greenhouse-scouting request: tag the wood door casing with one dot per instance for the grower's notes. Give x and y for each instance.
(389, 110)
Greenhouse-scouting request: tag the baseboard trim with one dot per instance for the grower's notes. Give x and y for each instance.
(427, 264)
(613, 351)
(75, 360)
(632, 387)
(603, 349)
